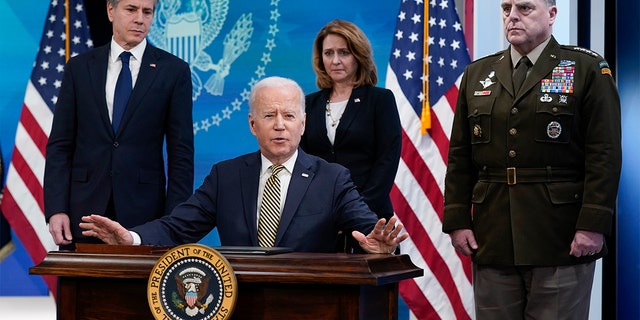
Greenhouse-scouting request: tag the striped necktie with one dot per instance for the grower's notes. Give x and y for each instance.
(270, 209)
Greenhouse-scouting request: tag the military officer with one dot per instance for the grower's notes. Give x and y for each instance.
(533, 170)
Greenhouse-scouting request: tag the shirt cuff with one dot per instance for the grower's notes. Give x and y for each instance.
(136, 238)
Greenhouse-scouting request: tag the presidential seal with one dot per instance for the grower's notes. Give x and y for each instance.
(192, 281)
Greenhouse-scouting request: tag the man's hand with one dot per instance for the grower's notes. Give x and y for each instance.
(586, 243)
(464, 241)
(60, 229)
(384, 238)
(105, 229)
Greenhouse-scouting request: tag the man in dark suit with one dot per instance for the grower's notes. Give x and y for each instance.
(318, 198)
(106, 157)
(533, 170)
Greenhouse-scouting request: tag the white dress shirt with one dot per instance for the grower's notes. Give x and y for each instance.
(115, 65)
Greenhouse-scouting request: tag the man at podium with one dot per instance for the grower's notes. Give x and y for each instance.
(242, 196)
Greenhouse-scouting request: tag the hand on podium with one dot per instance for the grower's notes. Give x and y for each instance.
(105, 229)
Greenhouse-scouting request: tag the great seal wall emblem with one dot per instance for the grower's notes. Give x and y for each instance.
(192, 281)
(189, 29)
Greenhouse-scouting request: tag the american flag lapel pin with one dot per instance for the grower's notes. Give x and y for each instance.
(152, 65)
(305, 175)
(356, 100)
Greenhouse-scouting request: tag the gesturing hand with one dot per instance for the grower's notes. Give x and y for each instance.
(384, 238)
(105, 229)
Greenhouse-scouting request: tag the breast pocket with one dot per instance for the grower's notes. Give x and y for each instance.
(554, 118)
(479, 117)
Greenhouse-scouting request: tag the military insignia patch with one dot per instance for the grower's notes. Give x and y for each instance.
(192, 281)
(604, 67)
(477, 130)
(488, 82)
(554, 129)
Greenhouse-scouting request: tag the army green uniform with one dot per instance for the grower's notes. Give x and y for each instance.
(535, 167)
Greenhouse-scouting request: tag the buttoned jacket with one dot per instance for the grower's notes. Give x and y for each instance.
(526, 171)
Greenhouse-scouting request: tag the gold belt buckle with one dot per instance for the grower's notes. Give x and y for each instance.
(511, 176)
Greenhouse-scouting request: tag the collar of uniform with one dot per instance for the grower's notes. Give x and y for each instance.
(533, 55)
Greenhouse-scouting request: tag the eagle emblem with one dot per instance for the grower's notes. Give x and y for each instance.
(187, 29)
(192, 284)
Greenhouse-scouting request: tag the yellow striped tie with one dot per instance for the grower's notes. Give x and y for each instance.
(270, 209)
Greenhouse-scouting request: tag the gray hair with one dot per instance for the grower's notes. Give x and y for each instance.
(271, 82)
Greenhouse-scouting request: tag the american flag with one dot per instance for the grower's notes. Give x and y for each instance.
(65, 35)
(428, 57)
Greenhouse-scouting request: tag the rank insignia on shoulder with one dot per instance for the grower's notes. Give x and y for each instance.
(584, 50)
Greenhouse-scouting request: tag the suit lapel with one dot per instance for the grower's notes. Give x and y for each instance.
(319, 112)
(502, 67)
(350, 112)
(301, 177)
(249, 180)
(98, 80)
(546, 62)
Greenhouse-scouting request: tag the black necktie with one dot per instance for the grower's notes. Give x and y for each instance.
(122, 92)
(521, 73)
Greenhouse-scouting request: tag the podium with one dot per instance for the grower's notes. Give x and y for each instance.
(110, 282)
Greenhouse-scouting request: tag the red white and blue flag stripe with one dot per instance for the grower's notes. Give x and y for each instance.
(65, 34)
(428, 57)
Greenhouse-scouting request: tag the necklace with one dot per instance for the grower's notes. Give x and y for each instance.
(334, 122)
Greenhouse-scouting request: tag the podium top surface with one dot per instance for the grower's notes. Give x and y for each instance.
(109, 261)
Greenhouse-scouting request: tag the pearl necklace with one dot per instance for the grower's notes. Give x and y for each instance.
(334, 122)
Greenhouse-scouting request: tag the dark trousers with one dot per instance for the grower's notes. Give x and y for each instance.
(539, 293)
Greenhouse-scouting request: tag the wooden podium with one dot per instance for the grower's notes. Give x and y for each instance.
(110, 282)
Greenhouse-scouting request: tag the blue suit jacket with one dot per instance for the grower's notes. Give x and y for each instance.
(87, 162)
(321, 200)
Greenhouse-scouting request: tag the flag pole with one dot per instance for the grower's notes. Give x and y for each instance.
(425, 116)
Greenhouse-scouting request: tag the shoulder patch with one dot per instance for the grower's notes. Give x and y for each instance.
(604, 67)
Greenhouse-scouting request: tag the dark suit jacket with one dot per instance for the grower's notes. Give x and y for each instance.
(321, 200)
(86, 162)
(368, 141)
(571, 138)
